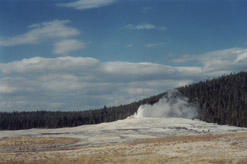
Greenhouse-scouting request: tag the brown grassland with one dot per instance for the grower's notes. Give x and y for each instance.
(215, 149)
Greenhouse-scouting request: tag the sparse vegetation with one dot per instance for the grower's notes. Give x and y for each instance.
(218, 148)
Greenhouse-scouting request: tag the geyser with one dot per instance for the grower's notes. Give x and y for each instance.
(171, 105)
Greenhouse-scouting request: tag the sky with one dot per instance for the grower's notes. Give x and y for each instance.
(72, 55)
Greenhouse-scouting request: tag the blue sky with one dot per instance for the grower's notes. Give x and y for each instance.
(81, 54)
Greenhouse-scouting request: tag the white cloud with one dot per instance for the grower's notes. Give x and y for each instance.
(5, 89)
(87, 4)
(73, 83)
(56, 31)
(227, 60)
(145, 26)
(82, 83)
(241, 58)
(40, 32)
(38, 64)
(218, 62)
(149, 45)
(65, 46)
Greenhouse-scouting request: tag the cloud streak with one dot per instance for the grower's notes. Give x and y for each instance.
(86, 4)
(56, 31)
(129, 45)
(144, 26)
(150, 45)
(64, 47)
(40, 32)
(220, 61)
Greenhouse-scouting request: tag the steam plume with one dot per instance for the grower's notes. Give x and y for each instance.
(171, 105)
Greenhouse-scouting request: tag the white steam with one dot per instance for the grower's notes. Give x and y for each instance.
(171, 105)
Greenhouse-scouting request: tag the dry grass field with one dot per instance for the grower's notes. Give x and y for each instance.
(210, 148)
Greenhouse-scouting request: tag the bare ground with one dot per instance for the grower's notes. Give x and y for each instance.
(209, 148)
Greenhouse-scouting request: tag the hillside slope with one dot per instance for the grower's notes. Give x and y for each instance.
(57, 119)
(221, 100)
